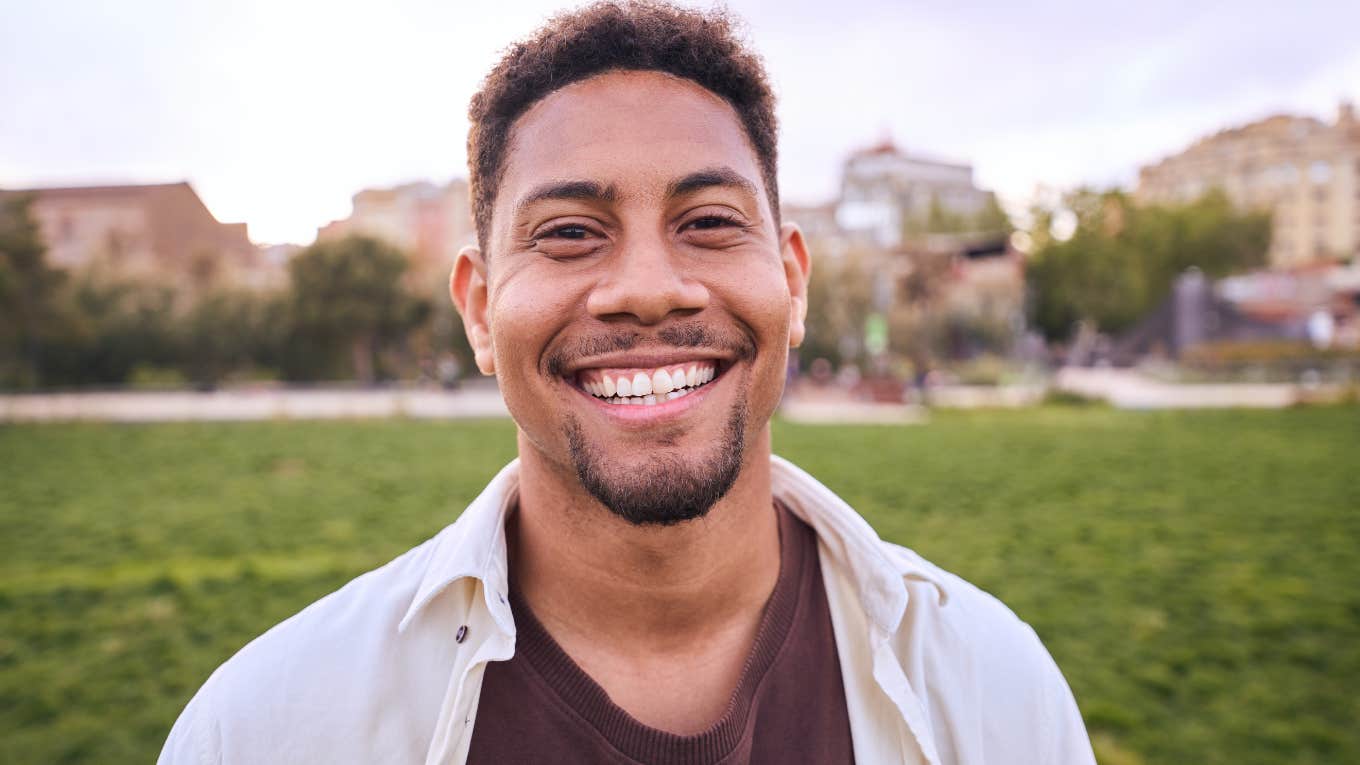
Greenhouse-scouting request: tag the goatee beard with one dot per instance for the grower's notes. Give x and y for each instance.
(667, 490)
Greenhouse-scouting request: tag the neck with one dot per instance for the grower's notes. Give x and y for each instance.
(643, 589)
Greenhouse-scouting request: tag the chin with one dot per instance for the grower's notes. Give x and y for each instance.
(667, 486)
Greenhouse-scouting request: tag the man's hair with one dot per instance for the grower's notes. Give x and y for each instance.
(616, 36)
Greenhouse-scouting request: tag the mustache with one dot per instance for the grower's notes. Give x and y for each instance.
(683, 335)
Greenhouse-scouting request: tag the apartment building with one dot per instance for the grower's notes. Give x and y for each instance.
(429, 222)
(157, 232)
(1302, 170)
(885, 191)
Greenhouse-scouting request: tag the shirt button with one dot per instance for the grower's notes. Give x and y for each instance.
(462, 634)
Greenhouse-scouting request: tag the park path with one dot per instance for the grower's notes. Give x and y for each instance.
(261, 404)
(1122, 388)
(1127, 389)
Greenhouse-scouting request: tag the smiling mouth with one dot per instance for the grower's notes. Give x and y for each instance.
(647, 387)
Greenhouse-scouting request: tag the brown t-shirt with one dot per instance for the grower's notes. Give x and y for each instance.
(788, 707)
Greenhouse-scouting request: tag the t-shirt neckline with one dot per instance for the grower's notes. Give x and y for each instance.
(565, 678)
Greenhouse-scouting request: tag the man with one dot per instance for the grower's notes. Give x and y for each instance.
(646, 583)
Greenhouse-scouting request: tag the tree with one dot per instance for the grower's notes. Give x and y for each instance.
(1122, 259)
(939, 219)
(347, 299)
(118, 326)
(29, 293)
(991, 219)
(227, 330)
(917, 321)
(840, 298)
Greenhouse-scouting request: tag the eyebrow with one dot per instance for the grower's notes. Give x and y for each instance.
(592, 191)
(581, 190)
(709, 178)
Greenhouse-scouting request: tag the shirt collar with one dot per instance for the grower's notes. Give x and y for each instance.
(851, 543)
(474, 546)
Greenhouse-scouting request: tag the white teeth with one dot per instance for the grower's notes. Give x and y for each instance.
(643, 389)
(661, 382)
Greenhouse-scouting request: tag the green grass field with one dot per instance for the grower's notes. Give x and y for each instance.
(1196, 575)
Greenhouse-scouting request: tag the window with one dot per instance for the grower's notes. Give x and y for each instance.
(1320, 172)
(1284, 173)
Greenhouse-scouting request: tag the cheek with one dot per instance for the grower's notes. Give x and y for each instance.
(761, 300)
(524, 316)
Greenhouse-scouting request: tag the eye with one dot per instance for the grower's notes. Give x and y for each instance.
(712, 221)
(569, 231)
(566, 239)
(715, 227)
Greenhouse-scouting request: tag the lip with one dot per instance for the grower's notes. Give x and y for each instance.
(650, 360)
(656, 414)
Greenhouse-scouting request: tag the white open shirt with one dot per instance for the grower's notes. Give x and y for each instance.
(389, 668)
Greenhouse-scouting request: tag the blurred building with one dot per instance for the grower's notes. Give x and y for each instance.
(976, 281)
(929, 243)
(886, 193)
(156, 232)
(427, 221)
(1304, 171)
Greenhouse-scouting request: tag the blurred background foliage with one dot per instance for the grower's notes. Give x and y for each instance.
(350, 310)
(1122, 258)
(347, 312)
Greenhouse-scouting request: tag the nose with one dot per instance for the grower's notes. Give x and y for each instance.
(646, 281)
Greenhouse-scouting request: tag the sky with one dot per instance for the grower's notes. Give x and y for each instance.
(278, 111)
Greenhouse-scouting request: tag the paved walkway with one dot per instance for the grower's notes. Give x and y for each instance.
(1121, 387)
(810, 411)
(265, 404)
(986, 396)
(1127, 389)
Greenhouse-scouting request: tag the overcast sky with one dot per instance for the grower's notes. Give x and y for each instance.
(279, 111)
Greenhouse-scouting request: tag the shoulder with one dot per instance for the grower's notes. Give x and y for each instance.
(361, 675)
(984, 670)
(957, 624)
(315, 680)
(955, 604)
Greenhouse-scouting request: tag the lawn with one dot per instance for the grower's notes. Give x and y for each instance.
(1194, 574)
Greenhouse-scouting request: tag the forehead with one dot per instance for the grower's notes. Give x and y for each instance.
(634, 130)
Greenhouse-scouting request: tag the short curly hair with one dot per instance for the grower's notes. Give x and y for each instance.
(633, 35)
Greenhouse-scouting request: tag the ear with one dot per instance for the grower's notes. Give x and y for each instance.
(797, 269)
(467, 287)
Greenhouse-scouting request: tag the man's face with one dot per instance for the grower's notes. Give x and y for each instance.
(639, 298)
